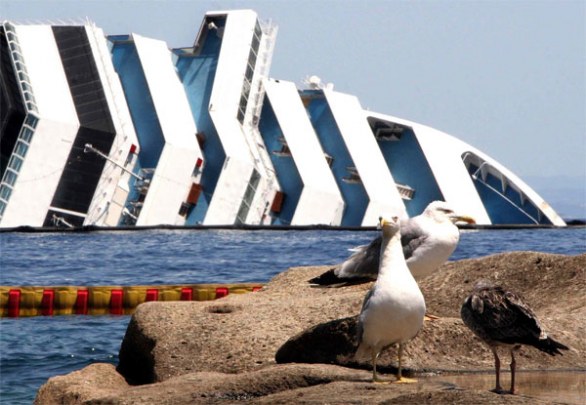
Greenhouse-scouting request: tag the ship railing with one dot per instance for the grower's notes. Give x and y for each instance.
(20, 68)
(480, 175)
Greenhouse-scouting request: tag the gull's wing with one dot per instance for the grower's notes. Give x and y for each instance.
(499, 316)
(412, 237)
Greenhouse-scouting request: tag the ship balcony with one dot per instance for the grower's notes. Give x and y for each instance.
(284, 151)
(353, 176)
(405, 191)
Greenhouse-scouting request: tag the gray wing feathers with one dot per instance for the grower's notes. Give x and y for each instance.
(363, 263)
(359, 326)
(412, 236)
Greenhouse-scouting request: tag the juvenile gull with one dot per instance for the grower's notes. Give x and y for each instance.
(428, 240)
(501, 318)
(393, 309)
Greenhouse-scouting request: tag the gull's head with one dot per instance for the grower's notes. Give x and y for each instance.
(389, 225)
(483, 283)
(441, 211)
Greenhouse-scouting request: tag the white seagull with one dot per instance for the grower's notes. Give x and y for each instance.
(501, 318)
(428, 240)
(393, 309)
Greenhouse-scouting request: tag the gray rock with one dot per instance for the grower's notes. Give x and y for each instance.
(93, 381)
(331, 342)
(234, 334)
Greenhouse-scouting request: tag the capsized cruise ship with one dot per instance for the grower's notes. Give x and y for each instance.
(121, 130)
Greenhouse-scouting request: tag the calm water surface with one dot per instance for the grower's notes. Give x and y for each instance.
(557, 386)
(34, 349)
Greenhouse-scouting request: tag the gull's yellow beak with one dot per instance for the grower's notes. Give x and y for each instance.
(381, 222)
(463, 218)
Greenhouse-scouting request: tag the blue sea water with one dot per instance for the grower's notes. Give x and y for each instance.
(34, 349)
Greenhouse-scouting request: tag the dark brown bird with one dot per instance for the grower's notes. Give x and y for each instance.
(501, 318)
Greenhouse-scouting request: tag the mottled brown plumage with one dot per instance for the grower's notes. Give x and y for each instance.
(501, 318)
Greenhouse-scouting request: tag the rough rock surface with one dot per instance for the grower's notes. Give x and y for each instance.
(282, 384)
(552, 285)
(225, 351)
(95, 380)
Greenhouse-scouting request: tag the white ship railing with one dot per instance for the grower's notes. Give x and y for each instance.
(480, 175)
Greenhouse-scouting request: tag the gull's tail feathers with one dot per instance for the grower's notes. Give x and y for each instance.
(550, 346)
(330, 279)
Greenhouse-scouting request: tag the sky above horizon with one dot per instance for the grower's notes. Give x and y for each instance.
(508, 77)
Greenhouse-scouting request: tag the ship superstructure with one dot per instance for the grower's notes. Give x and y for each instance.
(121, 130)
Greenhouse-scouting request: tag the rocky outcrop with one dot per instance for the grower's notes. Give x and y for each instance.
(231, 335)
(227, 350)
(553, 285)
(282, 384)
(94, 381)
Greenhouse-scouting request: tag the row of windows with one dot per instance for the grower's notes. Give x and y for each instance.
(248, 197)
(19, 65)
(246, 86)
(16, 159)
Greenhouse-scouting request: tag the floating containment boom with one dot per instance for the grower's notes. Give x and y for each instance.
(105, 300)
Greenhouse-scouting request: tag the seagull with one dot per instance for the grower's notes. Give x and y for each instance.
(393, 310)
(501, 318)
(428, 240)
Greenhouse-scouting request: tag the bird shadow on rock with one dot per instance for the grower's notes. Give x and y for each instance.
(334, 342)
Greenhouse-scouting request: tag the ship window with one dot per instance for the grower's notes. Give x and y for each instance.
(240, 115)
(255, 43)
(16, 56)
(251, 61)
(257, 29)
(10, 177)
(15, 163)
(21, 149)
(242, 108)
(249, 73)
(184, 209)
(28, 96)
(23, 76)
(31, 121)
(26, 134)
(26, 87)
(248, 197)
(5, 192)
(2, 207)
(246, 88)
(15, 48)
